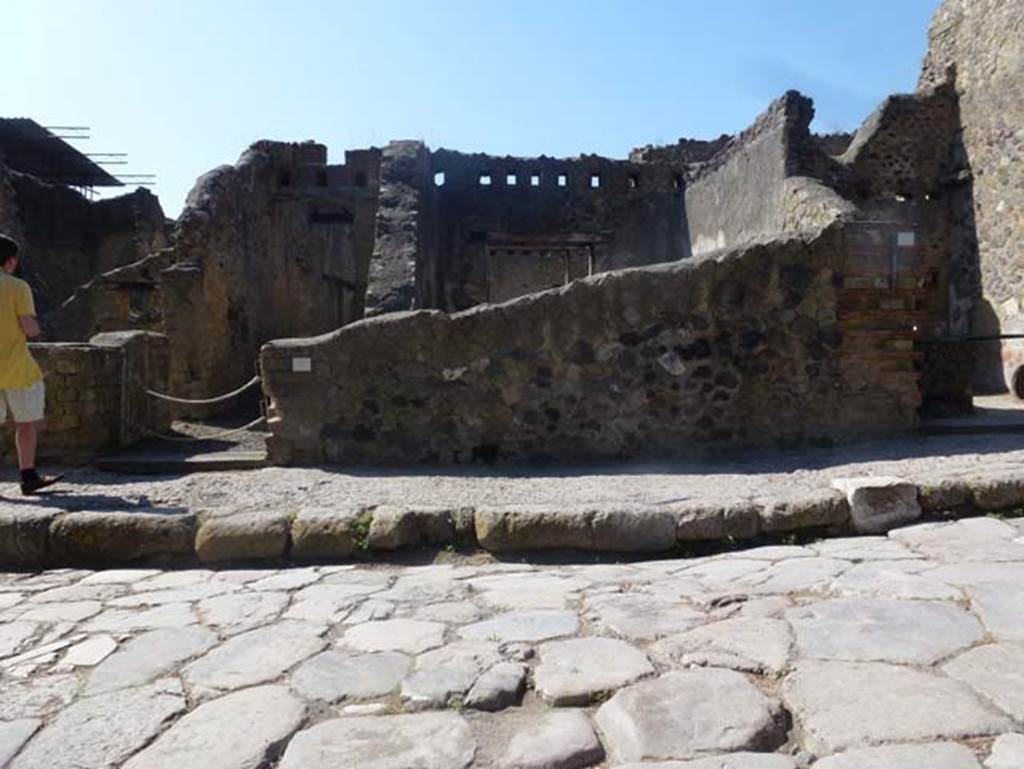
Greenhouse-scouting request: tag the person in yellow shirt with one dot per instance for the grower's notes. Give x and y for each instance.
(21, 382)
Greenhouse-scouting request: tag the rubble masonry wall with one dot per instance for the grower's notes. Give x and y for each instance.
(733, 349)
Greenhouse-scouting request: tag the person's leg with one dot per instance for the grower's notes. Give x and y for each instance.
(26, 438)
(28, 406)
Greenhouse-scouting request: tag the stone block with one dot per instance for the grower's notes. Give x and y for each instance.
(825, 508)
(437, 525)
(242, 536)
(327, 532)
(947, 495)
(1003, 493)
(686, 714)
(879, 503)
(24, 537)
(633, 530)
(702, 523)
(528, 528)
(392, 528)
(464, 520)
(117, 537)
(581, 528)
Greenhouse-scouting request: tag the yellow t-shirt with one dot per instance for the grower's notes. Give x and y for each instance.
(17, 368)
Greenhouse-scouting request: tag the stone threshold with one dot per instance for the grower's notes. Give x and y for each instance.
(31, 539)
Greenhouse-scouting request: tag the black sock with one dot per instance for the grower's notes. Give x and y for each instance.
(29, 474)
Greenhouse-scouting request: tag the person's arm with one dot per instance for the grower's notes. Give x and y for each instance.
(26, 309)
(29, 325)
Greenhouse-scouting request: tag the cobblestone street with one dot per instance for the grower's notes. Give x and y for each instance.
(897, 652)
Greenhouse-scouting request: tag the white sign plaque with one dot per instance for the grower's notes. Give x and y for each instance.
(302, 365)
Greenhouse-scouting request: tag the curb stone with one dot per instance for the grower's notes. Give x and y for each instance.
(994, 494)
(947, 495)
(242, 536)
(325, 533)
(90, 537)
(544, 528)
(702, 523)
(879, 503)
(25, 537)
(394, 527)
(826, 508)
(53, 538)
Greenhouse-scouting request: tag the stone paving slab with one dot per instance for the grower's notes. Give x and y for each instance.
(321, 514)
(767, 658)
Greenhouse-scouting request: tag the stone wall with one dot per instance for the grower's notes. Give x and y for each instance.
(126, 297)
(730, 350)
(95, 399)
(504, 226)
(393, 283)
(738, 195)
(903, 148)
(67, 238)
(686, 152)
(275, 245)
(979, 44)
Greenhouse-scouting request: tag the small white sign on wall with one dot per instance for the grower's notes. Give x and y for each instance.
(905, 239)
(302, 365)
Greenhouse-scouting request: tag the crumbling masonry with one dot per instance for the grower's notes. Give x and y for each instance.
(764, 289)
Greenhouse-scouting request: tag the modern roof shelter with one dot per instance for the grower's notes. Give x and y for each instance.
(30, 148)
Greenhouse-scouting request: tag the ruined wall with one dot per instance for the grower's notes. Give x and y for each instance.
(401, 224)
(980, 44)
(736, 349)
(903, 148)
(739, 194)
(67, 239)
(685, 152)
(129, 297)
(95, 399)
(275, 245)
(499, 227)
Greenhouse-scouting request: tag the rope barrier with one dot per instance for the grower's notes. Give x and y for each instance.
(213, 437)
(205, 401)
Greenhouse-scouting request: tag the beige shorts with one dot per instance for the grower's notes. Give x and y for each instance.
(26, 404)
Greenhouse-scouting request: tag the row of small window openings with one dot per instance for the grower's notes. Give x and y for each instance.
(562, 180)
(512, 180)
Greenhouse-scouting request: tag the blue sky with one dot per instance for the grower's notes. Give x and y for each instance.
(185, 86)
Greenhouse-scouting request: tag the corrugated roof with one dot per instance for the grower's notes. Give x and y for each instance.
(28, 147)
